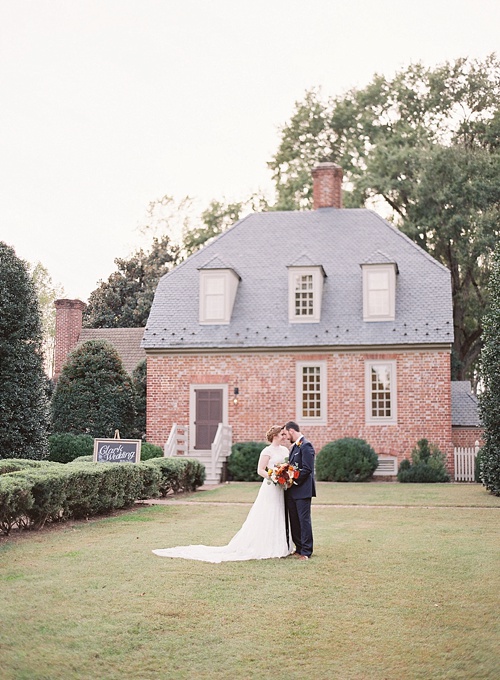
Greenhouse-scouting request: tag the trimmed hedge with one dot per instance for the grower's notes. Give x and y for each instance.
(242, 463)
(38, 494)
(8, 465)
(346, 460)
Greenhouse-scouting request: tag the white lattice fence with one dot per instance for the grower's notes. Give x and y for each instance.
(465, 462)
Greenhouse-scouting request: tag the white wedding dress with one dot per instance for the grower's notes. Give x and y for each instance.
(263, 534)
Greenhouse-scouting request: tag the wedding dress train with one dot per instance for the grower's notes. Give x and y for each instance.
(262, 536)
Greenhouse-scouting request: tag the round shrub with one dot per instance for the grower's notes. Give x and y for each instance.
(346, 460)
(149, 451)
(427, 465)
(242, 463)
(65, 447)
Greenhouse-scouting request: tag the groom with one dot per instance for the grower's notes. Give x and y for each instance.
(298, 497)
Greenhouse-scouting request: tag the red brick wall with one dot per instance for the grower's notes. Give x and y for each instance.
(69, 315)
(266, 385)
(327, 186)
(467, 436)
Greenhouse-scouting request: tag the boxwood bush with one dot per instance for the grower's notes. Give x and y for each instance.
(427, 465)
(242, 463)
(149, 451)
(346, 460)
(65, 447)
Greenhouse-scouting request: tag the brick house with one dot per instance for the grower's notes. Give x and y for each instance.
(330, 317)
(69, 334)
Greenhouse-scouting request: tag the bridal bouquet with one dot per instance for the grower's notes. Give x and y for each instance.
(284, 475)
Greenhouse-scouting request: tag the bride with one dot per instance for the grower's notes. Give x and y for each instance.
(263, 534)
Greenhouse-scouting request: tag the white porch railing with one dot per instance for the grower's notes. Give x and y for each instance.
(177, 442)
(465, 462)
(221, 446)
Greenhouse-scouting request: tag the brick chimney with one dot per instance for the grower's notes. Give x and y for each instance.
(327, 186)
(69, 314)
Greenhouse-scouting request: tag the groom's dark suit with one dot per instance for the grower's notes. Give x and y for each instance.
(298, 497)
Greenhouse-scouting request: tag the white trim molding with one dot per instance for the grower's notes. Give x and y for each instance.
(305, 290)
(380, 392)
(379, 292)
(311, 392)
(217, 294)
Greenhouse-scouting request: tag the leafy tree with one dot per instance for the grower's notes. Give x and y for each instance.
(124, 300)
(424, 145)
(94, 394)
(23, 398)
(216, 218)
(47, 294)
(490, 399)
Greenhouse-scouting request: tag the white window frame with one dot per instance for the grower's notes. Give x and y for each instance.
(229, 280)
(390, 269)
(317, 291)
(381, 420)
(301, 418)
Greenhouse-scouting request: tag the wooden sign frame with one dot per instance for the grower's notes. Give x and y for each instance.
(117, 450)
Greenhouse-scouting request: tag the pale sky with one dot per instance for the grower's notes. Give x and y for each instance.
(110, 104)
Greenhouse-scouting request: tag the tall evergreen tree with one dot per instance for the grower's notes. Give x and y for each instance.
(23, 384)
(94, 394)
(490, 398)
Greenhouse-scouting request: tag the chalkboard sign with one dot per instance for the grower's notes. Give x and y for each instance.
(117, 450)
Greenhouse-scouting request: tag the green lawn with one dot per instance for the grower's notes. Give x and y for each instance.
(391, 593)
(373, 493)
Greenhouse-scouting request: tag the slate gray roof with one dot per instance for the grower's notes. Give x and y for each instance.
(464, 405)
(127, 342)
(261, 246)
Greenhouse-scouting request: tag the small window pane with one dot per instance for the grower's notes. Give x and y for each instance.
(304, 296)
(311, 392)
(381, 401)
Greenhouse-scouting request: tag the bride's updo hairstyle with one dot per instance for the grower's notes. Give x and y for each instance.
(272, 432)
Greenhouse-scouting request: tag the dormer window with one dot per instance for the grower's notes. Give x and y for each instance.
(217, 293)
(379, 292)
(305, 288)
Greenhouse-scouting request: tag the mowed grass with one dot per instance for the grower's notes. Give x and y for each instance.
(365, 493)
(391, 593)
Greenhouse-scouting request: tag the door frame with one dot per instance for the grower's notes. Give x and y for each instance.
(192, 410)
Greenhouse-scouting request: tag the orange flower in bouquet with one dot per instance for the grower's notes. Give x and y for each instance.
(283, 475)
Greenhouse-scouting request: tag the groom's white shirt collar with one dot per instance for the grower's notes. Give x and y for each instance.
(297, 441)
